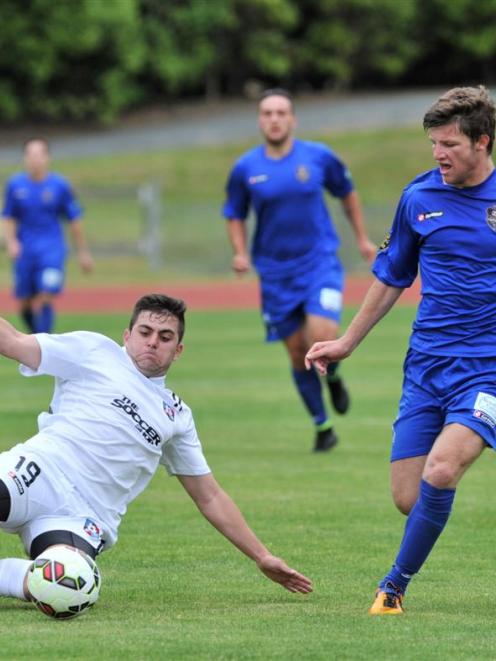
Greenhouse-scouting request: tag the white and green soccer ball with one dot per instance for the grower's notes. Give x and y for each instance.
(63, 582)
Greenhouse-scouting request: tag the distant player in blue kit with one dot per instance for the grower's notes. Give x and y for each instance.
(295, 245)
(445, 225)
(36, 201)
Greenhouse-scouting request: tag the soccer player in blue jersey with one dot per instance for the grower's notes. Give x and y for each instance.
(445, 226)
(35, 203)
(295, 245)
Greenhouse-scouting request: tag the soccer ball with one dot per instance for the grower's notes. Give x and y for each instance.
(63, 582)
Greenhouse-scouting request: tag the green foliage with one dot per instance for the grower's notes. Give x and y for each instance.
(461, 40)
(91, 59)
(346, 43)
(69, 59)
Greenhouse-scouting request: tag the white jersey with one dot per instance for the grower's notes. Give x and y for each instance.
(109, 426)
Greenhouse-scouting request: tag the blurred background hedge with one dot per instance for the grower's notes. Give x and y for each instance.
(92, 60)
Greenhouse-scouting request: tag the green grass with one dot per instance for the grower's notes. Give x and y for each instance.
(192, 181)
(175, 589)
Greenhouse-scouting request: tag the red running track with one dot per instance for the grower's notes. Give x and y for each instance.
(229, 295)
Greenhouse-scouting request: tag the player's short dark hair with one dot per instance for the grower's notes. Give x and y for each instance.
(472, 108)
(160, 304)
(276, 91)
(35, 138)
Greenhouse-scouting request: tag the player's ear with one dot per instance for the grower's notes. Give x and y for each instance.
(126, 334)
(179, 350)
(482, 142)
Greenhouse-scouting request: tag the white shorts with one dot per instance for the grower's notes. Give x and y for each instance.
(42, 500)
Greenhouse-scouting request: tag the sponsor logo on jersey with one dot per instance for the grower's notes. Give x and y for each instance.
(491, 218)
(131, 409)
(429, 214)
(92, 530)
(17, 482)
(257, 179)
(387, 239)
(169, 411)
(21, 193)
(302, 173)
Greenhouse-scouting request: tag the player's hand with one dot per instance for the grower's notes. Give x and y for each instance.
(13, 248)
(279, 572)
(85, 261)
(241, 264)
(368, 250)
(322, 353)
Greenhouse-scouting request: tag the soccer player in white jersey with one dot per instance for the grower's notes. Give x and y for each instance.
(110, 424)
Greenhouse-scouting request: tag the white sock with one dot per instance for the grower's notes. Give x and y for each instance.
(12, 574)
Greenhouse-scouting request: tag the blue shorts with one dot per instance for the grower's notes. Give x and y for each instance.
(438, 391)
(37, 273)
(286, 302)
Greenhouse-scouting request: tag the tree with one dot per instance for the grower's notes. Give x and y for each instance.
(355, 42)
(69, 59)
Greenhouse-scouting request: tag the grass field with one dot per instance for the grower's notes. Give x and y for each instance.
(192, 182)
(175, 589)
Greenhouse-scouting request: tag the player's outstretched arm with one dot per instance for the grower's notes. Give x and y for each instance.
(379, 300)
(236, 230)
(19, 346)
(354, 212)
(83, 254)
(220, 510)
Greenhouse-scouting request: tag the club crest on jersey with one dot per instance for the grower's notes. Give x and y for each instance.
(491, 218)
(386, 242)
(169, 411)
(302, 173)
(92, 530)
(47, 195)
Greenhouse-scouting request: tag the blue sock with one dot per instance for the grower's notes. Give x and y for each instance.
(43, 319)
(308, 385)
(425, 523)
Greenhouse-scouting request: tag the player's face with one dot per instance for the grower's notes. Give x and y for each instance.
(276, 119)
(461, 161)
(153, 342)
(36, 158)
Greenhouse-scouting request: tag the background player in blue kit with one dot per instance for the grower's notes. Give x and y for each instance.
(35, 203)
(295, 245)
(445, 225)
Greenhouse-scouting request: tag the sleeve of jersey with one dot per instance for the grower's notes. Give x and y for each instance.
(183, 454)
(337, 177)
(8, 210)
(62, 356)
(237, 196)
(396, 263)
(72, 209)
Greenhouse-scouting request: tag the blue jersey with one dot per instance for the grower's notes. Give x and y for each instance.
(449, 234)
(293, 229)
(38, 207)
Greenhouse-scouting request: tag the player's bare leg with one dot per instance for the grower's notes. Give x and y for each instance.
(454, 451)
(405, 480)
